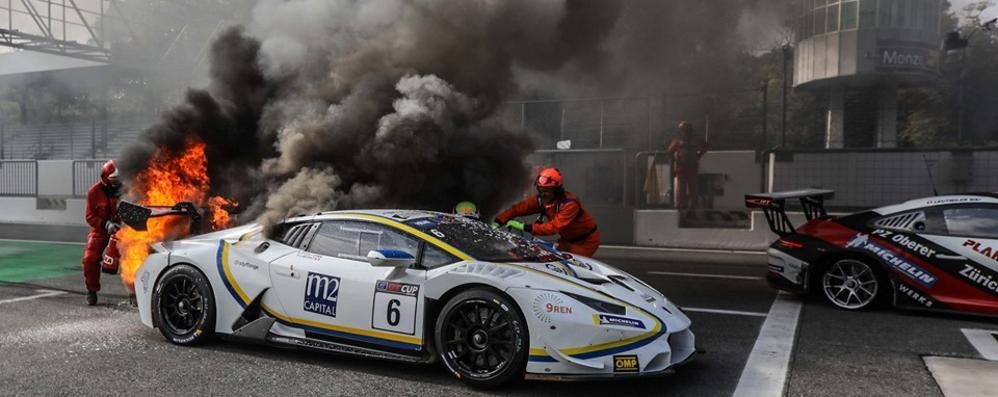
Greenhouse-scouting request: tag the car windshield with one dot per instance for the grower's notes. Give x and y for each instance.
(482, 242)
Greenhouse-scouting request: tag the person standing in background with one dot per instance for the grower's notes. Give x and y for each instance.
(686, 152)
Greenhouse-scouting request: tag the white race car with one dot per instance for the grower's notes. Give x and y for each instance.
(414, 286)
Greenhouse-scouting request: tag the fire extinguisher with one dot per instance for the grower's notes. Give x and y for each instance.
(112, 257)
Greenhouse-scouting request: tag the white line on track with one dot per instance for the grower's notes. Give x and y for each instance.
(43, 242)
(44, 293)
(765, 373)
(984, 340)
(706, 275)
(722, 311)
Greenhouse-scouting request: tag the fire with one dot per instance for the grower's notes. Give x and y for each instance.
(170, 178)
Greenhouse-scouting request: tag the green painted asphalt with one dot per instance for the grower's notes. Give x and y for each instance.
(27, 260)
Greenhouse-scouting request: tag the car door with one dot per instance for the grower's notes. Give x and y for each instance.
(970, 233)
(333, 294)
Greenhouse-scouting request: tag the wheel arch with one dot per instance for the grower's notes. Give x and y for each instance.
(826, 260)
(434, 306)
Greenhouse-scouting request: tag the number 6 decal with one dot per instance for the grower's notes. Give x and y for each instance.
(393, 312)
(395, 307)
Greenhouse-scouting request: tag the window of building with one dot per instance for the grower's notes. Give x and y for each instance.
(885, 12)
(819, 20)
(867, 14)
(850, 15)
(832, 18)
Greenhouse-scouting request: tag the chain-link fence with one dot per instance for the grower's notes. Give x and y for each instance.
(872, 178)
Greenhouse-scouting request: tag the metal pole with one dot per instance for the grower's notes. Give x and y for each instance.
(765, 111)
(93, 138)
(523, 115)
(601, 109)
(783, 102)
(561, 133)
(2, 140)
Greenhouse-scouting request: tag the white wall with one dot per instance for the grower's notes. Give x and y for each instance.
(24, 210)
(660, 228)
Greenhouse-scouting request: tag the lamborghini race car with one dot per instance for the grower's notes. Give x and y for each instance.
(418, 287)
(937, 253)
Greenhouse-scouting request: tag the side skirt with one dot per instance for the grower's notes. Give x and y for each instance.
(343, 349)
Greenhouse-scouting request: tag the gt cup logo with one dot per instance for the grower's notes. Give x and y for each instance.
(606, 319)
(628, 363)
(900, 264)
(321, 293)
(392, 287)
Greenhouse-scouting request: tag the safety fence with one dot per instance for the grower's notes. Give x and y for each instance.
(870, 178)
(85, 172)
(18, 178)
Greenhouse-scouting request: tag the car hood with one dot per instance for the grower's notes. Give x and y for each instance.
(602, 278)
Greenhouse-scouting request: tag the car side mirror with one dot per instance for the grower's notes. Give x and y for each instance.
(390, 258)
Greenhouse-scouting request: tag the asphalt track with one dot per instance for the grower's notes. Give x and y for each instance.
(51, 344)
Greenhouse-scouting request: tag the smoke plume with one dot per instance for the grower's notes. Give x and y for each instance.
(319, 104)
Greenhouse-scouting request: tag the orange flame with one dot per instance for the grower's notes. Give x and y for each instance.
(170, 178)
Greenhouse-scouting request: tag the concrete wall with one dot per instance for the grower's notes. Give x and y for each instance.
(55, 178)
(660, 228)
(741, 175)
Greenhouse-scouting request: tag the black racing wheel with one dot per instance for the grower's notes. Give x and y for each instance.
(481, 337)
(183, 306)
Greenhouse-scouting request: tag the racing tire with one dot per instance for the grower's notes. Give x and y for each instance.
(183, 306)
(482, 338)
(852, 284)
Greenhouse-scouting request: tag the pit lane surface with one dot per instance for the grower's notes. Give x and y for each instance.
(53, 344)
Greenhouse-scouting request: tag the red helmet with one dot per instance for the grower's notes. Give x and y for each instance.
(108, 171)
(685, 126)
(549, 177)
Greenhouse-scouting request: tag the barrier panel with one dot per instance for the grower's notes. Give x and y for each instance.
(85, 173)
(18, 178)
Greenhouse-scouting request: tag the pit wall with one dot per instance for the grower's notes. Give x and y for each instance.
(660, 228)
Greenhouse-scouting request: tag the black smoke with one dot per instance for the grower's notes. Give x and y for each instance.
(353, 104)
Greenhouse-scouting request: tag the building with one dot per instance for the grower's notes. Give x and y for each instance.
(865, 50)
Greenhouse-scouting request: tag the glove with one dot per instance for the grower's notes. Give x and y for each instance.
(495, 225)
(112, 227)
(515, 224)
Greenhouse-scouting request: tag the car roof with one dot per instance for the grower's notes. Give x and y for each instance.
(969, 198)
(398, 215)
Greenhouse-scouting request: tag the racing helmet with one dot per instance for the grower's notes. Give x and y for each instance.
(467, 209)
(109, 173)
(549, 178)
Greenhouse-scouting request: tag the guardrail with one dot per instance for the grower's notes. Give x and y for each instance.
(18, 178)
(85, 173)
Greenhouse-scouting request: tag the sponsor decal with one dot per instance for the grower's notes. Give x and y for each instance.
(915, 295)
(953, 200)
(905, 242)
(245, 264)
(555, 268)
(309, 255)
(900, 264)
(775, 268)
(984, 250)
(392, 287)
(547, 305)
(321, 294)
(757, 202)
(607, 319)
(626, 363)
(978, 277)
(424, 222)
(578, 263)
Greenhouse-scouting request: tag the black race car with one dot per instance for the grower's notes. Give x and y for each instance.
(936, 253)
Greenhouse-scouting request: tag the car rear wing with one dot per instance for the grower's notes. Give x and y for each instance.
(774, 206)
(136, 216)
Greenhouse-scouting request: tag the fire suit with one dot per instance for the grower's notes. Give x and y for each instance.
(102, 207)
(685, 166)
(566, 217)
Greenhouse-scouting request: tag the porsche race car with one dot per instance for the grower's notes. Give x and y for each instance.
(937, 253)
(414, 286)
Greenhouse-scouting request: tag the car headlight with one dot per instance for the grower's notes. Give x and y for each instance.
(598, 305)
